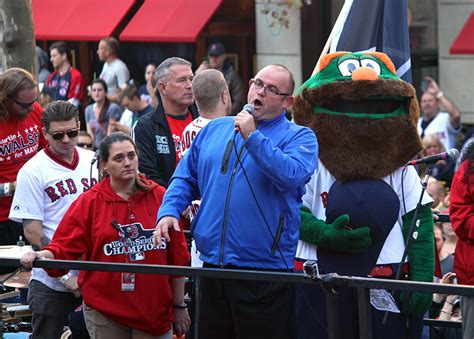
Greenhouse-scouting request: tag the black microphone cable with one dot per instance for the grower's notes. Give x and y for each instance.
(94, 159)
(313, 311)
(258, 205)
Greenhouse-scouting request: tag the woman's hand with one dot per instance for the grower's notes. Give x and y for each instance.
(447, 279)
(182, 321)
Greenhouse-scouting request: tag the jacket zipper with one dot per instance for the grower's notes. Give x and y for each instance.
(278, 233)
(224, 224)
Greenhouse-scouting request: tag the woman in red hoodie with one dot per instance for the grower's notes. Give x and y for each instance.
(462, 219)
(114, 222)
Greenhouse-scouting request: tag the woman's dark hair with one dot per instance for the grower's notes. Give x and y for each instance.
(468, 153)
(469, 156)
(103, 112)
(104, 154)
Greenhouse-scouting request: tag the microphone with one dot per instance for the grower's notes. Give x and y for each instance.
(451, 154)
(248, 108)
(95, 157)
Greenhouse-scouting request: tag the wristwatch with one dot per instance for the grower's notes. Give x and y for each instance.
(65, 278)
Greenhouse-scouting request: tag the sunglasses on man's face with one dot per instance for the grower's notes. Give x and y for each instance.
(60, 135)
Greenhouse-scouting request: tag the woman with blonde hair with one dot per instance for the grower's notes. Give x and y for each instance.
(443, 170)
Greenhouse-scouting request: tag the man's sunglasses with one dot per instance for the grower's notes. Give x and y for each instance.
(60, 135)
(84, 145)
(24, 105)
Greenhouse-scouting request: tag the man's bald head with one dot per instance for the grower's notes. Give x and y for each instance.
(208, 87)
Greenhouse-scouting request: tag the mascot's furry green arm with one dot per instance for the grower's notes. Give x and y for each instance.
(366, 124)
(421, 256)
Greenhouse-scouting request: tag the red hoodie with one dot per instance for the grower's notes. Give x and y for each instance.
(86, 230)
(462, 218)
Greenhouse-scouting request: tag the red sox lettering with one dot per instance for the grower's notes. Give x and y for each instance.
(65, 187)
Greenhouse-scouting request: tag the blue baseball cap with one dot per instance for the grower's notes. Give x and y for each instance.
(216, 49)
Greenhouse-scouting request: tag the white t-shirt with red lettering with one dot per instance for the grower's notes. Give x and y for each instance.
(191, 130)
(46, 187)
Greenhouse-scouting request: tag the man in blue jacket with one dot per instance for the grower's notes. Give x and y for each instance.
(250, 171)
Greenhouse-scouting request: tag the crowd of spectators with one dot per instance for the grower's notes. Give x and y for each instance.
(159, 120)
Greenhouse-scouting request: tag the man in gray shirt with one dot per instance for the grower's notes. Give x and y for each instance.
(115, 73)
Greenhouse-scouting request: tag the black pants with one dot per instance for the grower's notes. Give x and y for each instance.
(50, 310)
(10, 233)
(246, 309)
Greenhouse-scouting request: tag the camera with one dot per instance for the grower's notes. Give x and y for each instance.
(311, 270)
(454, 280)
(424, 85)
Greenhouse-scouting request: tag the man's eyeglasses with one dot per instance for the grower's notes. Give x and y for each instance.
(60, 135)
(272, 90)
(84, 145)
(24, 105)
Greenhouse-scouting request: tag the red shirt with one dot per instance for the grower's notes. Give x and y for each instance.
(177, 125)
(20, 140)
(462, 218)
(86, 231)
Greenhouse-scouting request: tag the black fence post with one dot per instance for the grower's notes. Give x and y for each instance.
(333, 314)
(365, 314)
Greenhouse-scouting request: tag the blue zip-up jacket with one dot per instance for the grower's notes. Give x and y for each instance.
(278, 159)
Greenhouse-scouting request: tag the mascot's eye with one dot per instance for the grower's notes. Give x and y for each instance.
(371, 64)
(348, 66)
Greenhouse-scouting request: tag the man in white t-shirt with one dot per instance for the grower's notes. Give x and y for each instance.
(446, 125)
(115, 73)
(46, 186)
(213, 100)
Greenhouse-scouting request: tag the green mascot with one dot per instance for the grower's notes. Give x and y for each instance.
(360, 202)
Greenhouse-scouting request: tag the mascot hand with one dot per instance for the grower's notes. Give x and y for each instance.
(334, 236)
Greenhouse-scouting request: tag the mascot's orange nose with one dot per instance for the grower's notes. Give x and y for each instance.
(364, 73)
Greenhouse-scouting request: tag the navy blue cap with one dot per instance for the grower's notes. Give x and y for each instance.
(216, 49)
(369, 203)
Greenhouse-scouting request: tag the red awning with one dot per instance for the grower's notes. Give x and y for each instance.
(464, 43)
(170, 20)
(77, 19)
